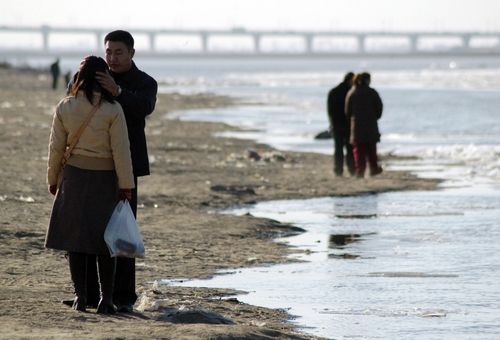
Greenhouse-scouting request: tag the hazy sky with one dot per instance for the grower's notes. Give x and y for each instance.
(432, 15)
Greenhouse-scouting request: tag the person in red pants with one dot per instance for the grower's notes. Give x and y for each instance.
(363, 110)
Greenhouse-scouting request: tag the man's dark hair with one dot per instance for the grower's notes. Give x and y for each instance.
(121, 36)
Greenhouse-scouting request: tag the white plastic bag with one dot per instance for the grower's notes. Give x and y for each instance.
(122, 233)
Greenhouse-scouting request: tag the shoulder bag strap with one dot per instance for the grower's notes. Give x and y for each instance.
(77, 136)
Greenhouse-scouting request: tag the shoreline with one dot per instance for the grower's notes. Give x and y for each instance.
(192, 172)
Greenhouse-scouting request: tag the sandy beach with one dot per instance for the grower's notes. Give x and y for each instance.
(193, 174)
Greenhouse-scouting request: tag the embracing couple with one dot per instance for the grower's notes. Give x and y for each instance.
(97, 150)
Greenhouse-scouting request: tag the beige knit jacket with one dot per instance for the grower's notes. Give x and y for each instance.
(103, 145)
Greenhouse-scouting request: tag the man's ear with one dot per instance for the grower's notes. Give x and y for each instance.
(132, 53)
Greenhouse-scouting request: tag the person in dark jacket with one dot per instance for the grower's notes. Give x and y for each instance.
(339, 126)
(55, 71)
(363, 110)
(136, 92)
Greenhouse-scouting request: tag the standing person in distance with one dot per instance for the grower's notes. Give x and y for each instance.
(363, 110)
(55, 71)
(339, 126)
(136, 92)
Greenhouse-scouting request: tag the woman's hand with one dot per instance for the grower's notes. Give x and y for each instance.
(53, 189)
(125, 194)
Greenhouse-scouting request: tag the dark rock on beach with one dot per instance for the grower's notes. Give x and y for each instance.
(327, 134)
(196, 316)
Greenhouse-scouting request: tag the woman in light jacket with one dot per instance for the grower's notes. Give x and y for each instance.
(96, 176)
(363, 109)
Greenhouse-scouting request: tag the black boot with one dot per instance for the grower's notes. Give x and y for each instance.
(92, 284)
(106, 266)
(78, 269)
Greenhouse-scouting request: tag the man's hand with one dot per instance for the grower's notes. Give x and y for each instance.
(53, 189)
(125, 194)
(107, 82)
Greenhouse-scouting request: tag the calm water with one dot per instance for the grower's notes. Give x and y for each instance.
(389, 266)
(421, 265)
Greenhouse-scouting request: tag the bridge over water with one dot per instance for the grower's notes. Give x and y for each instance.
(309, 42)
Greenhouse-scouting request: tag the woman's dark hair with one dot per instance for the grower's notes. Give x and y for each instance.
(348, 77)
(85, 80)
(121, 36)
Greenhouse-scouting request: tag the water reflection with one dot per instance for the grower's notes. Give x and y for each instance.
(356, 216)
(425, 267)
(344, 256)
(339, 242)
(356, 207)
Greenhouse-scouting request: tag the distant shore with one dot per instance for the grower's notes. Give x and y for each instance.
(193, 174)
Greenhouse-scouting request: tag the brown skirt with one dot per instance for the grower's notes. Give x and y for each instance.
(81, 211)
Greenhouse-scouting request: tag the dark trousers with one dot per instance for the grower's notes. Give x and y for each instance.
(124, 288)
(341, 141)
(55, 79)
(365, 152)
(79, 264)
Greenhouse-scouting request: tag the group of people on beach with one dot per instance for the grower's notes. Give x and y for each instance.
(97, 151)
(354, 109)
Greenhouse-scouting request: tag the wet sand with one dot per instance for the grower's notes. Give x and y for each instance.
(193, 174)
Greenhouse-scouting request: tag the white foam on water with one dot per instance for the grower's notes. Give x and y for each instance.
(458, 79)
(461, 162)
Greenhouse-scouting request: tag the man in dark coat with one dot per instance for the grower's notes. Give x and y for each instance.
(363, 110)
(339, 126)
(136, 92)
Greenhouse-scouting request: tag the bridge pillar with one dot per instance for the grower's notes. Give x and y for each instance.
(45, 37)
(308, 39)
(466, 38)
(204, 42)
(361, 43)
(152, 41)
(99, 40)
(413, 43)
(256, 43)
